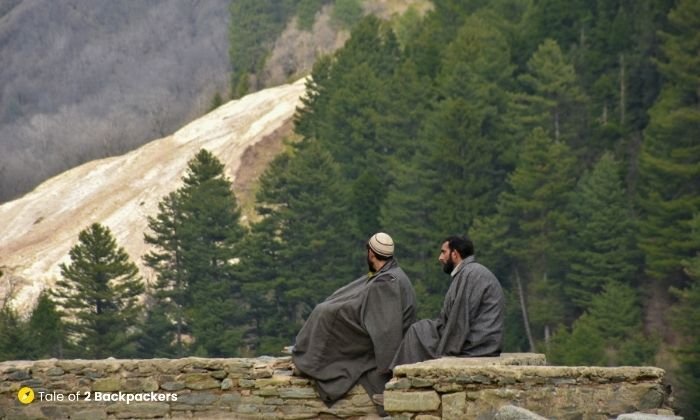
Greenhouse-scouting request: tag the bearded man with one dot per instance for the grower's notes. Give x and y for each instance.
(471, 320)
(352, 336)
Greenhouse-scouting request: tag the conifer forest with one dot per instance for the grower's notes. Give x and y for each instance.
(563, 137)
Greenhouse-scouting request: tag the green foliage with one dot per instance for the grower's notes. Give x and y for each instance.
(534, 205)
(528, 124)
(604, 238)
(47, 337)
(686, 318)
(98, 295)
(13, 336)
(407, 216)
(530, 225)
(168, 295)
(670, 156)
(216, 102)
(612, 325)
(254, 26)
(196, 236)
(346, 13)
(306, 13)
(303, 248)
(553, 99)
(40, 336)
(582, 346)
(407, 25)
(466, 129)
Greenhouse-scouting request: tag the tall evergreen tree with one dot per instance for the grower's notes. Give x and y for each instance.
(98, 295)
(304, 243)
(167, 321)
(686, 318)
(604, 248)
(460, 156)
(197, 234)
(612, 327)
(407, 216)
(13, 337)
(352, 110)
(553, 99)
(530, 228)
(47, 335)
(670, 157)
(469, 152)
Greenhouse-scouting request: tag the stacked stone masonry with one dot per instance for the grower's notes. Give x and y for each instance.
(267, 388)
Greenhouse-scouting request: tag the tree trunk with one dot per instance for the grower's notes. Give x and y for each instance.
(526, 319)
(622, 91)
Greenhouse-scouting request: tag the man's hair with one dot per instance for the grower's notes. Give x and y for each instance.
(463, 245)
(380, 257)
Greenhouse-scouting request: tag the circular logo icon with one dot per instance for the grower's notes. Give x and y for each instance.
(25, 395)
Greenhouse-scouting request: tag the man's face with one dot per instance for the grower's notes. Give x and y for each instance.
(445, 258)
(370, 264)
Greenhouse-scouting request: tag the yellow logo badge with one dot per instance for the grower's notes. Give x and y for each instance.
(25, 395)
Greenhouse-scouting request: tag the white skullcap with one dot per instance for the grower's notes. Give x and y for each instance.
(382, 244)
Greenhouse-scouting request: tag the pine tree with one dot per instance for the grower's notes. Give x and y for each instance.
(352, 111)
(303, 248)
(13, 338)
(98, 295)
(580, 347)
(459, 159)
(407, 215)
(346, 100)
(196, 235)
(530, 228)
(552, 99)
(465, 132)
(604, 248)
(167, 321)
(686, 318)
(156, 338)
(47, 336)
(670, 157)
(612, 325)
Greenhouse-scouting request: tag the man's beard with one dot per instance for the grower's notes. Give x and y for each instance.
(448, 266)
(370, 265)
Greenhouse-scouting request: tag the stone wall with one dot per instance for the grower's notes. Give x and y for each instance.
(453, 388)
(266, 388)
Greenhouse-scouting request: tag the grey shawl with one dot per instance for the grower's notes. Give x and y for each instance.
(352, 336)
(470, 322)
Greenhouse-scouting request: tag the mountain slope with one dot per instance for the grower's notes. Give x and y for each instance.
(85, 80)
(38, 229)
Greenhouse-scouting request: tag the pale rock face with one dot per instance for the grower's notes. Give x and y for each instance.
(38, 229)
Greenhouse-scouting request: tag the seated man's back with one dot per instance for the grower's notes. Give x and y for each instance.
(352, 336)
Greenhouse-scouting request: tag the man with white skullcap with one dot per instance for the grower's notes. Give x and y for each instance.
(352, 336)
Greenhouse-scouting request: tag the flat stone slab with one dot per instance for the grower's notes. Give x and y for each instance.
(469, 372)
(505, 359)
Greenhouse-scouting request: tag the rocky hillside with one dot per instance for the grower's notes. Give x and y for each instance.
(38, 229)
(85, 80)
